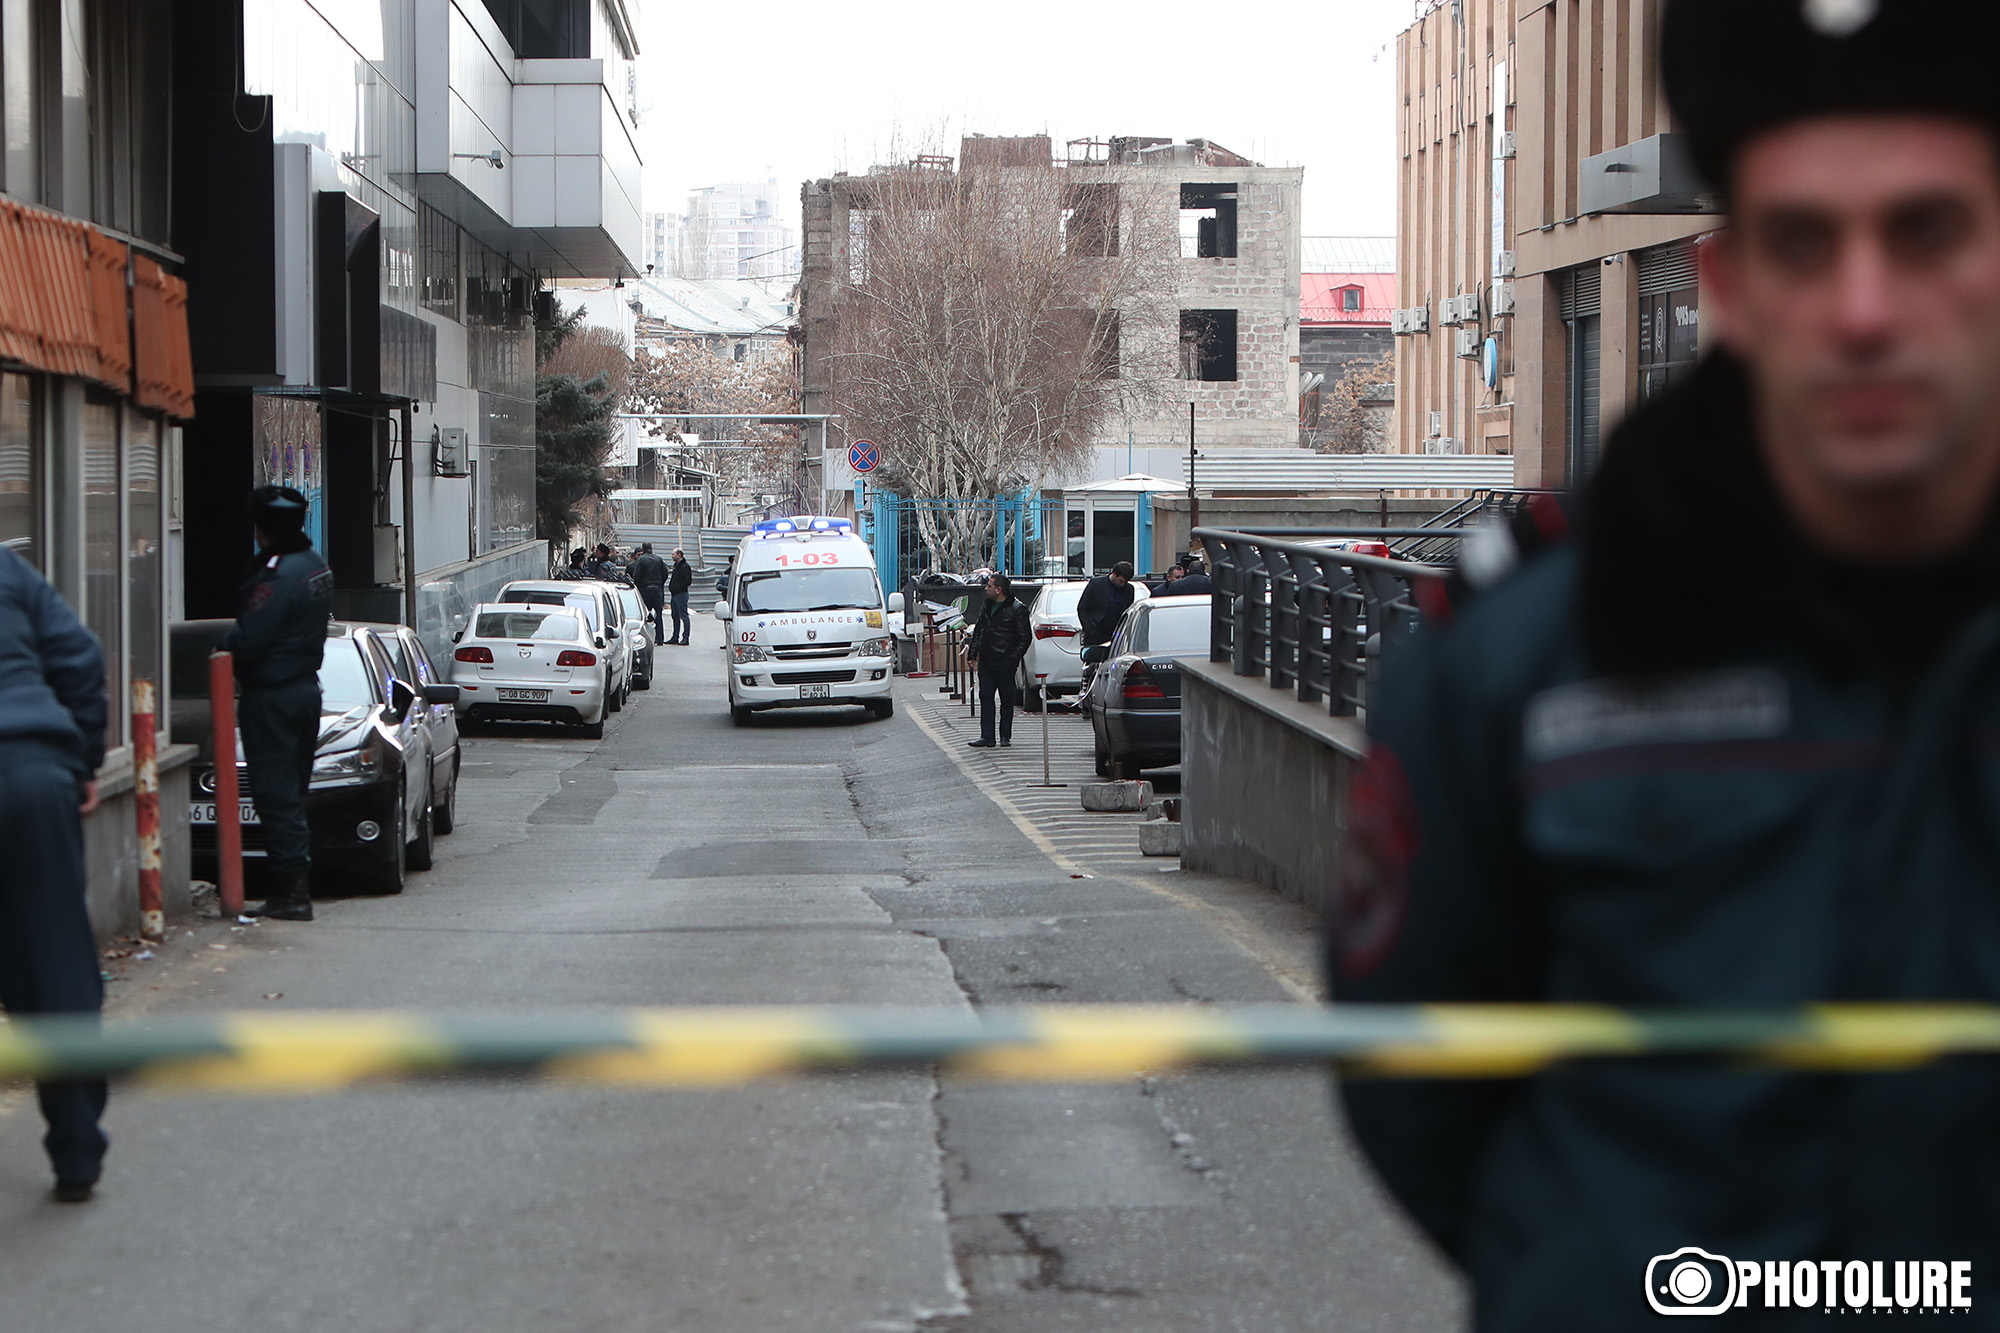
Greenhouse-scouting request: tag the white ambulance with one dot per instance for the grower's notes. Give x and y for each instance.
(805, 622)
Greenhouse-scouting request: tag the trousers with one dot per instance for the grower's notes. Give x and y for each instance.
(280, 727)
(996, 677)
(48, 956)
(654, 595)
(681, 622)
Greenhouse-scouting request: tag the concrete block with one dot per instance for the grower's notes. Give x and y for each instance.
(1167, 807)
(1117, 797)
(1160, 837)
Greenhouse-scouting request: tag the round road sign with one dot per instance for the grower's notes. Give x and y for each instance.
(863, 456)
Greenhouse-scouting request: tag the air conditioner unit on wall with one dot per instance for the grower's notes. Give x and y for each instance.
(453, 457)
(1468, 343)
(1411, 319)
(1437, 424)
(1503, 263)
(1442, 445)
(1503, 299)
(1505, 145)
(1468, 308)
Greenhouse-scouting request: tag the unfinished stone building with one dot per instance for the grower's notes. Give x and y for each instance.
(1236, 283)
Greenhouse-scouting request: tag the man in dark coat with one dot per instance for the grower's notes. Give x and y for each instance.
(1103, 603)
(1731, 744)
(53, 712)
(278, 641)
(678, 583)
(649, 576)
(1194, 583)
(998, 642)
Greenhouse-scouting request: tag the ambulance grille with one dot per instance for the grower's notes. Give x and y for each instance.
(811, 677)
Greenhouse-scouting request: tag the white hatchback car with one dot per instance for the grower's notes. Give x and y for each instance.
(1056, 647)
(603, 616)
(523, 661)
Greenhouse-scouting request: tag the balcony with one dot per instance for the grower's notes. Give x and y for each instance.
(534, 156)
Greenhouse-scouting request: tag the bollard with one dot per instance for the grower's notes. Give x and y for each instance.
(228, 809)
(146, 791)
(1042, 689)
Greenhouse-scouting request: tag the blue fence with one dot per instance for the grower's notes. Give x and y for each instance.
(1016, 534)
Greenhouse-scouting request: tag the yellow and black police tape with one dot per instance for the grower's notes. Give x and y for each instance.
(716, 1046)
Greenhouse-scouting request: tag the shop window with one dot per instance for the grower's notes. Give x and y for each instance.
(1208, 222)
(103, 552)
(1208, 344)
(20, 469)
(1669, 334)
(144, 512)
(1090, 220)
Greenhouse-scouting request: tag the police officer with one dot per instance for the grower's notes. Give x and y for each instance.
(52, 717)
(279, 638)
(1723, 737)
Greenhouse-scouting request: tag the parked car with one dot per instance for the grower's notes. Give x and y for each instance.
(411, 662)
(532, 661)
(1135, 698)
(603, 617)
(1056, 647)
(639, 634)
(370, 800)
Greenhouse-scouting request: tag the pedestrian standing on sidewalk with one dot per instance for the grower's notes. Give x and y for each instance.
(678, 583)
(649, 576)
(278, 641)
(53, 712)
(999, 641)
(1103, 603)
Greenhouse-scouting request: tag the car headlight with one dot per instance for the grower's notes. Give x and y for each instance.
(882, 647)
(347, 768)
(749, 652)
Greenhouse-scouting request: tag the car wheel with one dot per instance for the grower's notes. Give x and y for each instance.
(644, 682)
(1103, 762)
(388, 878)
(614, 702)
(1031, 700)
(882, 708)
(739, 715)
(594, 731)
(445, 817)
(423, 847)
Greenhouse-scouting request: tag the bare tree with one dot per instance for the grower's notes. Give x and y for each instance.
(685, 376)
(996, 317)
(1352, 415)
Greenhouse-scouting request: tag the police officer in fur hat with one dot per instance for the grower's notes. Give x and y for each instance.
(1726, 734)
(279, 638)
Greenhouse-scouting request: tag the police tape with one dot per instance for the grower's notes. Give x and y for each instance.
(717, 1046)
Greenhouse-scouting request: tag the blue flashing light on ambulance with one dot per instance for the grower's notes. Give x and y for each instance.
(805, 621)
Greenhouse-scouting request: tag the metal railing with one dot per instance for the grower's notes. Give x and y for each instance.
(1314, 619)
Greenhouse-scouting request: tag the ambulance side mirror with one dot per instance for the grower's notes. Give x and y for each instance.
(722, 610)
(896, 604)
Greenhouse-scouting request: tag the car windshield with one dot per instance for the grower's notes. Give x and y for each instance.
(1173, 630)
(526, 624)
(582, 601)
(809, 590)
(343, 677)
(1059, 601)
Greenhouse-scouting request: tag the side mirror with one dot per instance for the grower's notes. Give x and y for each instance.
(599, 641)
(456, 635)
(1095, 654)
(896, 604)
(401, 697)
(722, 610)
(440, 694)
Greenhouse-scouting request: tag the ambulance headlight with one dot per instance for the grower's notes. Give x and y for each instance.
(749, 652)
(882, 647)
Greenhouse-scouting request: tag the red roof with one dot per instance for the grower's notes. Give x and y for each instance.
(1322, 299)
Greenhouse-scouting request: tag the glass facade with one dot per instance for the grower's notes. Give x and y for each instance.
(20, 468)
(144, 574)
(103, 548)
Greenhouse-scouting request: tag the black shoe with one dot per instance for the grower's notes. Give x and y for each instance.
(1006, 742)
(979, 745)
(290, 899)
(74, 1191)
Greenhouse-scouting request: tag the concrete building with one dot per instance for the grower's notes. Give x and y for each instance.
(1547, 216)
(662, 245)
(1347, 295)
(735, 231)
(1236, 284)
(421, 168)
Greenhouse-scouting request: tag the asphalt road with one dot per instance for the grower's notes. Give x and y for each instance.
(815, 857)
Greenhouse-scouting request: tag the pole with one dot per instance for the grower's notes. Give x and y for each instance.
(228, 824)
(409, 524)
(1194, 501)
(1042, 687)
(146, 781)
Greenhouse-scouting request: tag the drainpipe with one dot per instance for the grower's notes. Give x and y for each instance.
(409, 523)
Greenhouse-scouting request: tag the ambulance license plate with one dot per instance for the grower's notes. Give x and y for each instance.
(523, 696)
(203, 812)
(815, 692)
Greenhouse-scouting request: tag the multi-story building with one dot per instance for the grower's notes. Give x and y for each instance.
(372, 198)
(94, 377)
(735, 231)
(662, 245)
(1346, 297)
(1548, 217)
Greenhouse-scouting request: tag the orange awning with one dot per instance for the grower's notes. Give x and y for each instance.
(165, 371)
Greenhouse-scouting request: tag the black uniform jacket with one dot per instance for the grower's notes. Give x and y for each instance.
(1682, 759)
(1003, 630)
(283, 610)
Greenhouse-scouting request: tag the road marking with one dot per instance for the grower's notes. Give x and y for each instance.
(1299, 984)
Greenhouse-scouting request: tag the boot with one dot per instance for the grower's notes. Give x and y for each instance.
(290, 899)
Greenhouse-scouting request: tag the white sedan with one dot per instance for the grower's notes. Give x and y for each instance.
(526, 662)
(1056, 647)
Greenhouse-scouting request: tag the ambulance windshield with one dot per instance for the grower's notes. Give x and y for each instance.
(786, 590)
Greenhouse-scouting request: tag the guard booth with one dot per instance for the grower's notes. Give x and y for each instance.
(1108, 521)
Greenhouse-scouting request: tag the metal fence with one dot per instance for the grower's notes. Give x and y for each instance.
(1312, 618)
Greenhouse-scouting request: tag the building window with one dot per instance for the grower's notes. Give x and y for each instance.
(1208, 344)
(103, 552)
(144, 590)
(20, 469)
(1090, 220)
(440, 262)
(1669, 318)
(1350, 298)
(1104, 349)
(20, 101)
(1208, 222)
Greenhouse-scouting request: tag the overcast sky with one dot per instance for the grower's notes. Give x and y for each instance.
(796, 89)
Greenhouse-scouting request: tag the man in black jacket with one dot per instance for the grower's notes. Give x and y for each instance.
(1103, 603)
(1731, 744)
(278, 641)
(649, 576)
(998, 643)
(53, 712)
(678, 583)
(1194, 583)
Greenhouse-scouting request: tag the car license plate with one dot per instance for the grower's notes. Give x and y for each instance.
(203, 812)
(523, 696)
(815, 692)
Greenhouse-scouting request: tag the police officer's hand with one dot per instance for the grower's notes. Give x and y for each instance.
(88, 806)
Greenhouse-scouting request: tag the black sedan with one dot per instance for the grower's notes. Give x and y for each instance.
(1134, 701)
(371, 799)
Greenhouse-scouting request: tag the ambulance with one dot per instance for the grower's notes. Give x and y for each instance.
(805, 622)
